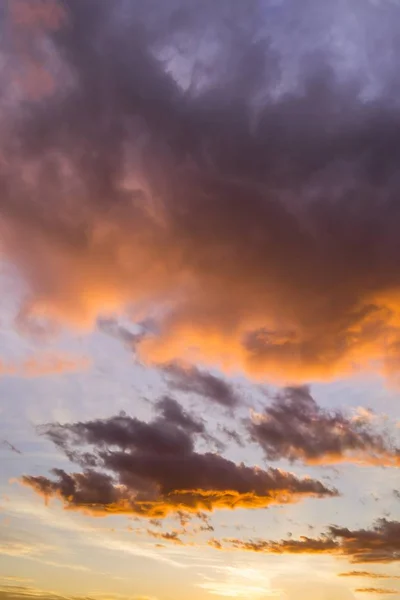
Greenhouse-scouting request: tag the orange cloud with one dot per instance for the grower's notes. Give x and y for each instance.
(379, 544)
(259, 242)
(191, 501)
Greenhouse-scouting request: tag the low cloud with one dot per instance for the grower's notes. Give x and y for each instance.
(294, 427)
(380, 544)
(153, 469)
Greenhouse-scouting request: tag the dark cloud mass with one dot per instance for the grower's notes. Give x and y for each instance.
(153, 469)
(183, 159)
(294, 427)
(380, 544)
(190, 379)
(173, 412)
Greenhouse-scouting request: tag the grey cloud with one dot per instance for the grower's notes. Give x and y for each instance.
(152, 469)
(294, 427)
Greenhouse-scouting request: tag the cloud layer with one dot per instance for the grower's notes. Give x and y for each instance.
(179, 164)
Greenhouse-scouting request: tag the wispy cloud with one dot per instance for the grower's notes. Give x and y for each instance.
(44, 364)
(369, 574)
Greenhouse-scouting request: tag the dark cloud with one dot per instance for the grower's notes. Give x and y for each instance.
(153, 469)
(396, 494)
(192, 380)
(244, 197)
(296, 428)
(380, 544)
(173, 412)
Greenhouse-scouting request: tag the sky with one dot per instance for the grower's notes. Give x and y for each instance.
(200, 299)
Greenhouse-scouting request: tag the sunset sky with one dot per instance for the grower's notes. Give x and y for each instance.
(200, 299)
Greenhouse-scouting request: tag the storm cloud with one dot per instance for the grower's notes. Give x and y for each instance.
(178, 158)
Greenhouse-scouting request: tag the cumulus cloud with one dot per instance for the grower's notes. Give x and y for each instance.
(153, 469)
(294, 427)
(379, 544)
(180, 164)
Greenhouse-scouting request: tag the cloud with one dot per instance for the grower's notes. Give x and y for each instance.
(172, 536)
(294, 427)
(112, 328)
(190, 379)
(178, 171)
(22, 547)
(11, 548)
(369, 574)
(372, 590)
(318, 589)
(152, 469)
(173, 412)
(32, 77)
(44, 364)
(27, 592)
(380, 544)
(10, 446)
